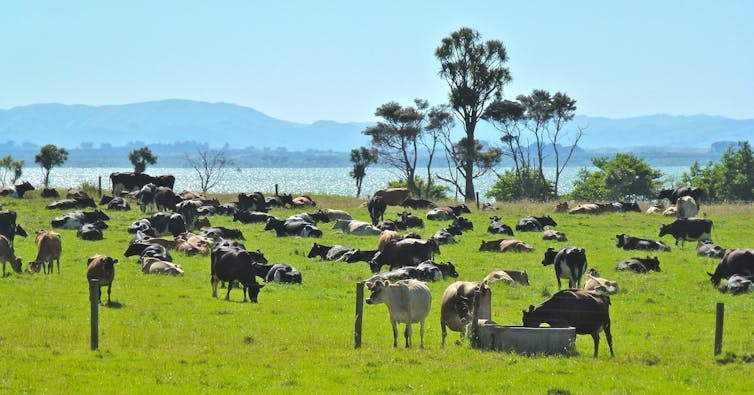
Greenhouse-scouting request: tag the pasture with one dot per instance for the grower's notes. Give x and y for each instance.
(168, 335)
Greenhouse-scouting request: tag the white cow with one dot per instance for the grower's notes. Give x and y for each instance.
(151, 265)
(355, 227)
(686, 207)
(408, 302)
(596, 283)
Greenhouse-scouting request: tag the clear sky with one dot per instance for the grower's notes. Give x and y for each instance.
(338, 60)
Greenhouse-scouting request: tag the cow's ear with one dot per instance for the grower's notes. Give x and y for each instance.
(115, 261)
(369, 284)
(531, 308)
(385, 283)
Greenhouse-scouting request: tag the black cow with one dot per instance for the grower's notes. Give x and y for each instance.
(146, 249)
(673, 194)
(235, 265)
(623, 207)
(164, 222)
(635, 243)
(8, 226)
(116, 203)
(127, 181)
(165, 199)
(91, 231)
(251, 217)
(189, 209)
(18, 190)
(326, 253)
(497, 227)
(404, 252)
(358, 255)
(430, 269)
(295, 227)
(67, 204)
(252, 201)
(735, 261)
(416, 204)
(640, 265)
(376, 207)
(534, 224)
(587, 311)
(49, 193)
(76, 219)
(688, 229)
(463, 223)
(570, 263)
(279, 200)
(409, 220)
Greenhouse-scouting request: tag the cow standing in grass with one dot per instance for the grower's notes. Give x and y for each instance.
(408, 302)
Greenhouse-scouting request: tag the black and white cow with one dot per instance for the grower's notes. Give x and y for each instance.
(164, 223)
(497, 227)
(635, 243)
(8, 226)
(639, 265)
(77, 219)
(570, 263)
(534, 224)
(692, 229)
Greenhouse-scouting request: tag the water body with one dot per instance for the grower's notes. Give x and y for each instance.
(326, 181)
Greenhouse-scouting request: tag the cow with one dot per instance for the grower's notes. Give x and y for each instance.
(534, 224)
(142, 237)
(49, 193)
(91, 231)
(18, 190)
(165, 199)
(282, 273)
(252, 201)
(408, 301)
(416, 204)
(145, 197)
(443, 236)
(560, 207)
(389, 225)
(551, 234)
(168, 223)
(622, 207)
(456, 310)
(693, 229)
(446, 269)
(152, 265)
(142, 225)
(392, 196)
(463, 223)
(570, 263)
(127, 181)
(77, 219)
(486, 206)
(193, 244)
(671, 211)
(303, 201)
(358, 255)
(355, 227)
(405, 252)
(639, 265)
(497, 227)
(235, 265)
(292, 228)
(513, 245)
(376, 207)
(635, 243)
(738, 261)
(251, 217)
(710, 249)
(401, 273)
(221, 232)
(327, 253)
(313, 218)
(279, 200)
(8, 255)
(598, 284)
(587, 311)
(8, 226)
(686, 207)
(409, 220)
(447, 212)
(332, 215)
(737, 285)
(101, 268)
(143, 249)
(587, 208)
(673, 194)
(66, 204)
(509, 277)
(656, 209)
(189, 209)
(116, 203)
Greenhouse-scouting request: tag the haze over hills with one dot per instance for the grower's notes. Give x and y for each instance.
(170, 121)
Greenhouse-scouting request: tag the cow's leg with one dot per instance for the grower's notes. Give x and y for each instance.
(558, 278)
(3, 269)
(213, 281)
(609, 338)
(245, 290)
(58, 262)
(596, 337)
(407, 335)
(230, 286)
(109, 288)
(395, 332)
(421, 334)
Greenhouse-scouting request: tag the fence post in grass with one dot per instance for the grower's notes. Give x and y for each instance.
(99, 184)
(719, 318)
(359, 313)
(477, 200)
(276, 189)
(94, 302)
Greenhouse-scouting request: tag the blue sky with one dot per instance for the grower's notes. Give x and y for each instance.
(339, 60)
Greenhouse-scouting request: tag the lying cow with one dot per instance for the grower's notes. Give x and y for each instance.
(639, 265)
(534, 224)
(408, 301)
(328, 253)
(710, 249)
(152, 265)
(635, 243)
(738, 261)
(497, 227)
(550, 234)
(457, 306)
(598, 284)
(76, 219)
(737, 285)
(282, 273)
(510, 277)
(355, 227)
(570, 263)
(505, 245)
(447, 212)
(292, 228)
(416, 204)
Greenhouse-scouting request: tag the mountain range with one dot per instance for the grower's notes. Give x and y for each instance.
(218, 124)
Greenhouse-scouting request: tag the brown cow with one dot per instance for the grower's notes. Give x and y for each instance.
(100, 267)
(561, 207)
(7, 254)
(514, 245)
(509, 277)
(551, 234)
(458, 304)
(598, 284)
(303, 201)
(393, 196)
(49, 248)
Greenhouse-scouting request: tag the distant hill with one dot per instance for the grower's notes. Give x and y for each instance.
(171, 121)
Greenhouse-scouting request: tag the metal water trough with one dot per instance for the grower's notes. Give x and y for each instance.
(525, 340)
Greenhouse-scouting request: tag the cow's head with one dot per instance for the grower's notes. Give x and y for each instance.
(253, 290)
(530, 317)
(549, 257)
(621, 240)
(450, 270)
(376, 288)
(665, 230)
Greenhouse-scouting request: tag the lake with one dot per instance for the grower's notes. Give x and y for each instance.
(328, 181)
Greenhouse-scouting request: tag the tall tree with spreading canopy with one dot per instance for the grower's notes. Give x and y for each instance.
(361, 158)
(140, 158)
(48, 157)
(476, 75)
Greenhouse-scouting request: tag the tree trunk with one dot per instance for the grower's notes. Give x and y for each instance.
(469, 194)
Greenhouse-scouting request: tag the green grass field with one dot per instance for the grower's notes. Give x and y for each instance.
(168, 335)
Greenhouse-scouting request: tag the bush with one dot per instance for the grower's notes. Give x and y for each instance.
(732, 179)
(528, 185)
(436, 192)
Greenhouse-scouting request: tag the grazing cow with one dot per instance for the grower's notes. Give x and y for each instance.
(463, 223)
(152, 265)
(77, 219)
(67, 204)
(738, 261)
(303, 201)
(7, 254)
(560, 207)
(91, 231)
(376, 207)
(408, 301)
(534, 224)
(409, 220)
(235, 265)
(443, 236)
(635, 243)
(332, 215)
(405, 252)
(550, 234)
(49, 249)
(296, 227)
(587, 311)
(102, 268)
(509, 277)
(253, 201)
(393, 196)
(598, 284)
(445, 213)
(17, 191)
(282, 273)
(639, 265)
(8, 226)
(147, 248)
(457, 306)
(164, 223)
(497, 227)
(737, 285)
(416, 204)
(686, 207)
(570, 263)
(355, 227)
(279, 200)
(165, 199)
(251, 217)
(692, 229)
(673, 194)
(710, 249)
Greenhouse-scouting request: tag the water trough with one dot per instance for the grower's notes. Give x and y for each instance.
(525, 340)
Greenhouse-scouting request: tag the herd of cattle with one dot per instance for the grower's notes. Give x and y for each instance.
(409, 257)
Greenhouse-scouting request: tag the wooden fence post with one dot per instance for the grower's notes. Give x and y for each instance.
(276, 189)
(477, 200)
(94, 302)
(359, 314)
(100, 186)
(719, 318)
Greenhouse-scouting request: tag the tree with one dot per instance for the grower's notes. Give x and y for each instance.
(475, 74)
(563, 109)
(48, 157)
(140, 158)
(211, 166)
(731, 179)
(623, 176)
(362, 157)
(10, 170)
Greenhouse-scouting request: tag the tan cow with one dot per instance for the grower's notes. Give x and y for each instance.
(332, 215)
(513, 245)
(7, 254)
(152, 265)
(551, 234)
(656, 208)
(458, 304)
(587, 208)
(561, 207)
(408, 301)
(670, 211)
(355, 227)
(49, 248)
(393, 196)
(598, 284)
(303, 201)
(509, 277)
(385, 238)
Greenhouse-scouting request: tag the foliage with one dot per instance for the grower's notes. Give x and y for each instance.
(731, 179)
(48, 157)
(436, 192)
(210, 166)
(476, 75)
(624, 176)
(526, 184)
(140, 158)
(361, 158)
(10, 170)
